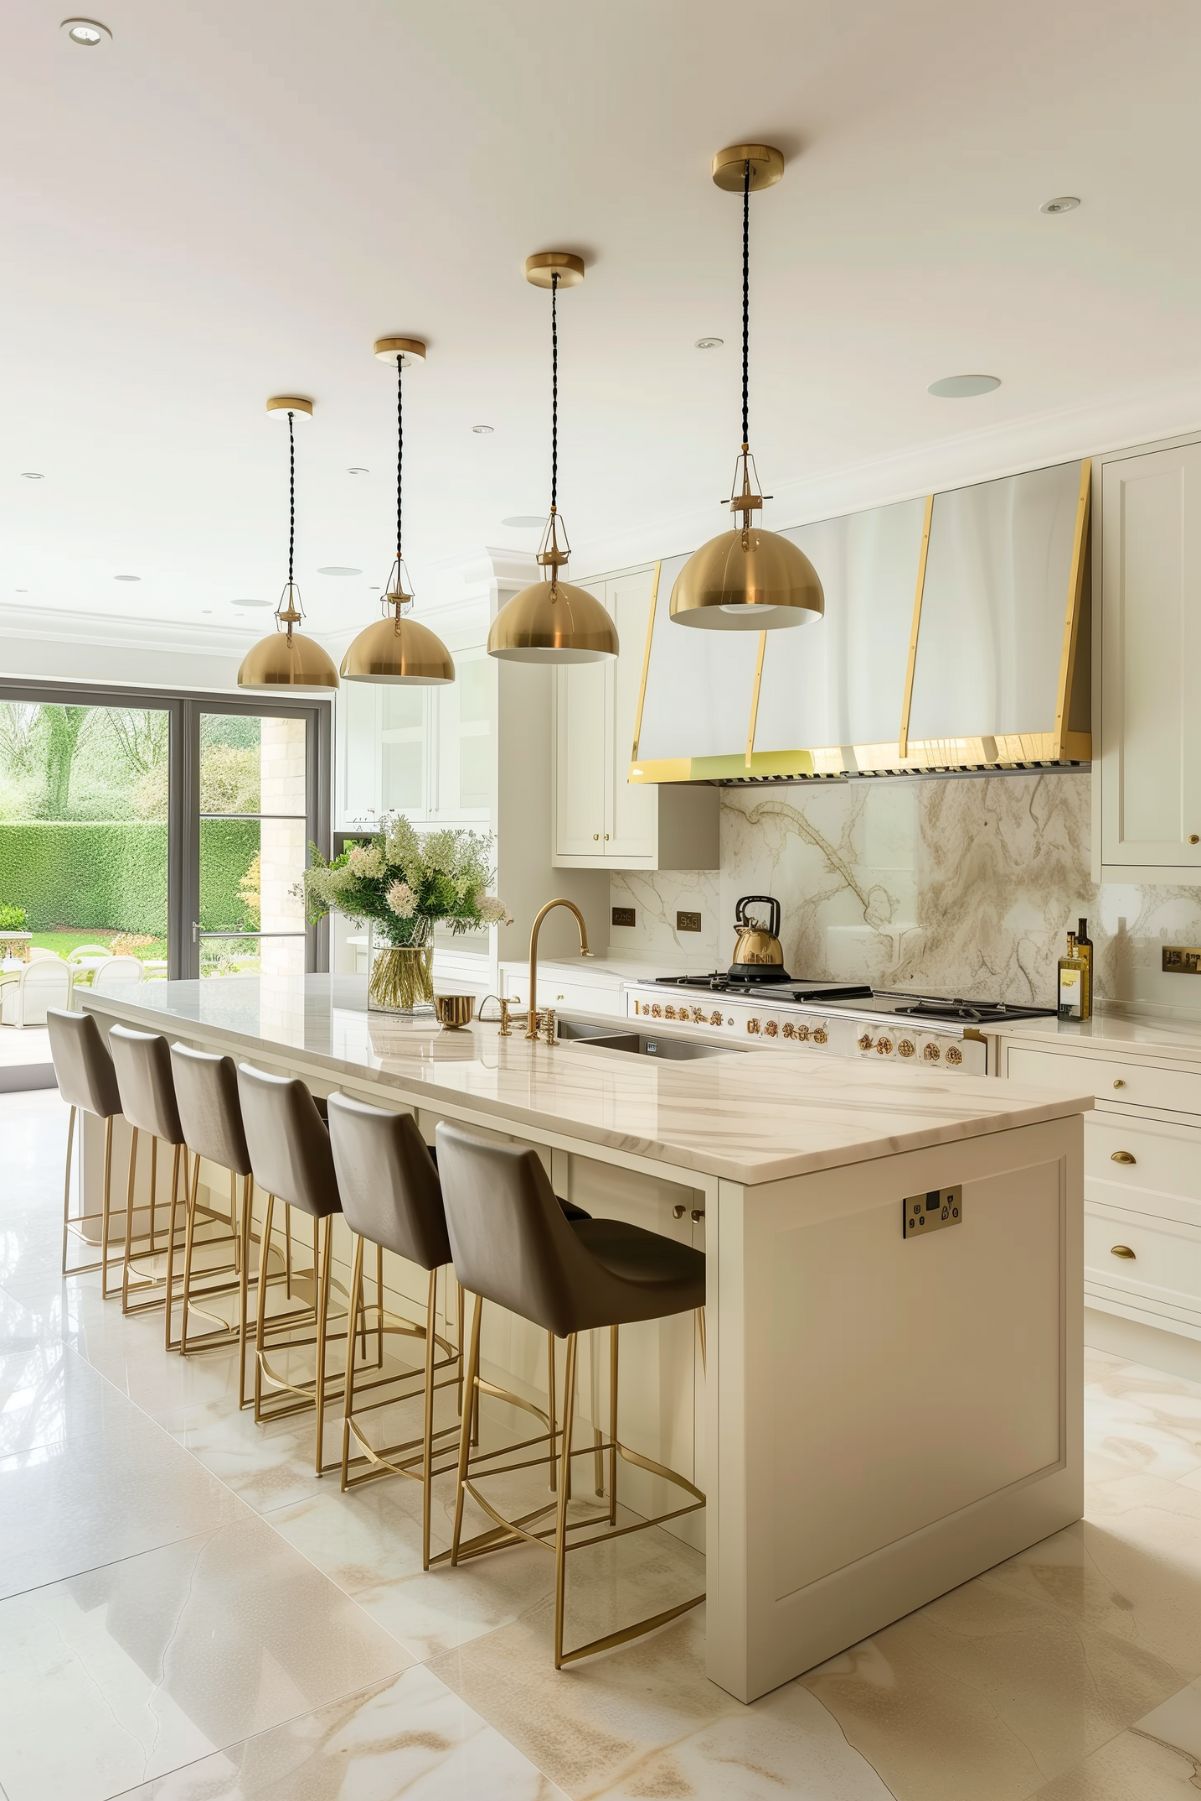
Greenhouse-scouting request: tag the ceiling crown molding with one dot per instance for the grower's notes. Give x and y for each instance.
(109, 629)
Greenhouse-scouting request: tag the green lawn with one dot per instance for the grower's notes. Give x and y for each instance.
(62, 943)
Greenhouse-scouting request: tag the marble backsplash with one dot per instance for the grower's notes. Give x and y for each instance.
(967, 886)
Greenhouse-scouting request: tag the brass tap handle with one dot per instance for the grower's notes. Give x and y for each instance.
(502, 1018)
(546, 1019)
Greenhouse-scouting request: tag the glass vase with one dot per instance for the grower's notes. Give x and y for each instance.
(401, 980)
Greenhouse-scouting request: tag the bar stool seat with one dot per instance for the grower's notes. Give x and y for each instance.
(512, 1245)
(290, 1157)
(87, 1082)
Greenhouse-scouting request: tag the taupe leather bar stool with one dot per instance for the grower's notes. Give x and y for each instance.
(512, 1245)
(206, 1092)
(142, 1062)
(291, 1160)
(84, 1072)
(392, 1199)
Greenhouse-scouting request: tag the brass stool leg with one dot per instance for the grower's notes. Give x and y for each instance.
(561, 1512)
(323, 1257)
(551, 1402)
(427, 1468)
(129, 1187)
(67, 1184)
(77, 1220)
(352, 1327)
(613, 1330)
(189, 1244)
(169, 1300)
(243, 1284)
(261, 1311)
(465, 1433)
(106, 1208)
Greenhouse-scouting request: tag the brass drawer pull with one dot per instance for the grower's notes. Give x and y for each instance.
(1122, 1157)
(1121, 1250)
(697, 1214)
(1119, 1082)
(678, 1211)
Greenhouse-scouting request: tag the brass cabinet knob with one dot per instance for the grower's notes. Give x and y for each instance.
(715, 1019)
(770, 1029)
(954, 1054)
(1194, 837)
(679, 1210)
(596, 837)
(1122, 1157)
(1119, 1082)
(606, 837)
(697, 1214)
(803, 1033)
(1121, 1250)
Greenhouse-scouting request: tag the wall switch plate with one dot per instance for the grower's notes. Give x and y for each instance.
(621, 916)
(1181, 960)
(925, 1213)
(688, 922)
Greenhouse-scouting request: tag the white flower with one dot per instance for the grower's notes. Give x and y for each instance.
(492, 910)
(366, 860)
(401, 899)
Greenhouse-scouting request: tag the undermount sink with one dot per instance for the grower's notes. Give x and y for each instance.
(639, 1044)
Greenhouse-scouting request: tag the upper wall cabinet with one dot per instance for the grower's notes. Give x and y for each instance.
(600, 817)
(1150, 762)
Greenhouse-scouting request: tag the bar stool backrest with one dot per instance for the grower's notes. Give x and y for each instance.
(388, 1181)
(288, 1141)
(510, 1240)
(82, 1065)
(206, 1092)
(142, 1061)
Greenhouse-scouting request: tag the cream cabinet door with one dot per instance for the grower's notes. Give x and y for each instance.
(1151, 662)
(632, 813)
(404, 750)
(464, 737)
(358, 755)
(582, 732)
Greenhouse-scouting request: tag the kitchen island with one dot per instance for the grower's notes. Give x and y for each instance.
(888, 1406)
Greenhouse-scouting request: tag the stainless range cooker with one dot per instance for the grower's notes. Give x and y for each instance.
(841, 1019)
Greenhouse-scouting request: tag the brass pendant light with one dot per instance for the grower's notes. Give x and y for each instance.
(747, 579)
(398, 648)
(286, 659)
(553, 621)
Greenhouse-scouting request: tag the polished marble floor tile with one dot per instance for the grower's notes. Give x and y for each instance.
(408, 1737)
(49, 1395)
(1158, 1759)
(1144, 1420)
(132, 1670)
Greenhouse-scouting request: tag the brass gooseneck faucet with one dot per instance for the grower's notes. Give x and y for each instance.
(531, 1024)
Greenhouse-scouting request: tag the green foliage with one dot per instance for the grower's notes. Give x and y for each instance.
(12, 918)
(229, 779)
(406, 882)
(114, 874)
(63, 943)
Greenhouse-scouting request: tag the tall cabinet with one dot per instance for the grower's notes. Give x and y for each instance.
(1150, 664)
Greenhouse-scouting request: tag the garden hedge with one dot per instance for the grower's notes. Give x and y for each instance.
(114, 873)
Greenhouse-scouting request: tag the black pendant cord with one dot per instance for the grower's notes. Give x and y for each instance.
(400, 451)
(746, 302)
(554, 392)
(291, 501)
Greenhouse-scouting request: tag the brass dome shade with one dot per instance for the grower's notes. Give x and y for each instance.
(397, 648)
(285, 658)
(747, 579)
(553, 621)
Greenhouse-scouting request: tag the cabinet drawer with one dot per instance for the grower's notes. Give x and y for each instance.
(564, 997)
(1109, 1077)
(1147, 1165)
(1164, 1273)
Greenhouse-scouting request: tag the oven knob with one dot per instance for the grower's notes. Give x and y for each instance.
(715, 1019)
(698, 1016)
(804, 1032)
(931, 1053)
(867, 1042)
(906, 1047)
(789, 1029)
(770, 1029)
(752, 1025)
(884, 1046)
(954, 1054)
(820, 1035)
(656, 1011)
(669, 1012)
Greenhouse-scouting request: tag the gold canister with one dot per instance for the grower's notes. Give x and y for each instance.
(454, 1010)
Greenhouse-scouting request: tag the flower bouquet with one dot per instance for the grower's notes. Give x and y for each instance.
(404, 883)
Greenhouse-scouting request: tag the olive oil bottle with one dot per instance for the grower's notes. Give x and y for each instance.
(1076, 976)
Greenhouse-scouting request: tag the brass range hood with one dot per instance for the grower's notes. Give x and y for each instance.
(957, 639)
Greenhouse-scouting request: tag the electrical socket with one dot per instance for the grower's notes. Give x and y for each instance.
(622, 916)
(688, 922)
(1181, 960)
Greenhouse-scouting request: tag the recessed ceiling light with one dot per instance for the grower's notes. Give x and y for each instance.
(709, 343)
(127, 578)
(252, 603)
(355, 470)
(338, 569)
(483, 431)
(1062, 203)
(33, 475)
(524, 521)
(88, 32)
(22, 590)
(206, 612)
(962, 387)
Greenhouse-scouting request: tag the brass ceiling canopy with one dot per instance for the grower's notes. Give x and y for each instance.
(747, 579)
(285, 659)
(553, 621)
(397, 648)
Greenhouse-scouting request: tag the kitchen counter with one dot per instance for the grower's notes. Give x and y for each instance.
(878, 1410)
(1114, 1028)
(748, 1116)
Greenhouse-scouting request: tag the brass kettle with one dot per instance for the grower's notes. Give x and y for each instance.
(758, 954)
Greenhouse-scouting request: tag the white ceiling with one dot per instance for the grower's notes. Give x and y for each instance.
(232, 200)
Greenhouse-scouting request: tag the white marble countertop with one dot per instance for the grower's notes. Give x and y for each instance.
(1113, 1029)
(746, 1115)
(604, 967)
